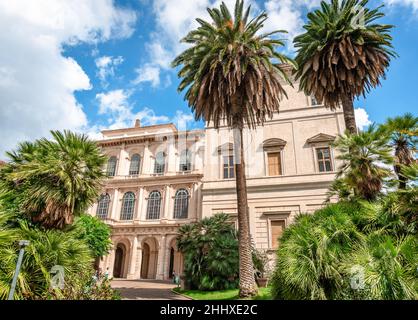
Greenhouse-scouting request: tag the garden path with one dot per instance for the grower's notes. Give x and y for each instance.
(146, 290)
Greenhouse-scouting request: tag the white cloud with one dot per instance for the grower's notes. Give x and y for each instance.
(362, 118)
(107, 66)
(411, 3)
(120, 112)
(148, 73)
(182, 119)
(37, 82)
(173, 22)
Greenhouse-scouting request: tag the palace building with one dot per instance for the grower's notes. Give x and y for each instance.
(161, 178)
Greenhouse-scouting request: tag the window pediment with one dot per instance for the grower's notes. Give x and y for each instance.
(274, 143)
(226, 147)
(322, 137)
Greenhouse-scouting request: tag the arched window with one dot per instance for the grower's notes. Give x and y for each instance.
(181, 204)
(154, 205)
(135, 165)
(185, 161)
(128, 206)
(103, 206)
(159, 166)
(111, 167)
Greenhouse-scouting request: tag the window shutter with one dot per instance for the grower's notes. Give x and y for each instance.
(277, 228)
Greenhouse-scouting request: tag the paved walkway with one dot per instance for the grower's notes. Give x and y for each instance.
(146, 290)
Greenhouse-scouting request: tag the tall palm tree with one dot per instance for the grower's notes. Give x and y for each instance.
(55, 180)
(403, 132)
(343, 54)
(365, 157)
(234, 75)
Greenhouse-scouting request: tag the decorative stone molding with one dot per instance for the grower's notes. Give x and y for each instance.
(229, 146)
(322, 137)
(274, 144)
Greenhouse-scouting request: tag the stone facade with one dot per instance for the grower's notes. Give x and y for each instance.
(289, 167)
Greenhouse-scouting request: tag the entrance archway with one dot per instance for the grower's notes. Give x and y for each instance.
(118, 269)
(171, 269)
(176, 260)
(149, 258)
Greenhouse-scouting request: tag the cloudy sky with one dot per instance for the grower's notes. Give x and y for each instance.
(87, 65)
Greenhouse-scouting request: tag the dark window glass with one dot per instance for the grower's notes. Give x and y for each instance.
(135, 165)
(181, 204)
(154, 205)
(324, 159)
(128, 206)
(111, 167)
(103, 206)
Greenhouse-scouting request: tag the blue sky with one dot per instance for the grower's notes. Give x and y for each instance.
(87, 65)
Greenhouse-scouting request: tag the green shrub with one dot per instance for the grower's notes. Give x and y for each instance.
(319, 255)
(96, 233)
(210, 249)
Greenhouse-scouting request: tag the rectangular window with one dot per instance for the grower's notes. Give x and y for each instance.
(229, 167)
(324, 159)
(274, 164)
(277, 228)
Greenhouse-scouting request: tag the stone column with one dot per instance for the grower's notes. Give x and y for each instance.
(161, 258)
(166, 210)
(138, 260)
(138, 215)
(194, 213)
(196, 161)
(122, 162)
(146, 166)
(133, 260)
(171, 157)
(111, 261)
(114, 213)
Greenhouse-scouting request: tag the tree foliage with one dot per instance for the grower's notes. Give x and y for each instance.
(343, 52)
(52, 181)
(232, 70)
(320, 254)
(96, 233)
(366, 157)
(210, 249)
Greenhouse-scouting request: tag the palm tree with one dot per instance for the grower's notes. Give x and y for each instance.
(365, 157)
(403, 132)
(55, 180)
(48, 248)
(343, 54)
(233, 74)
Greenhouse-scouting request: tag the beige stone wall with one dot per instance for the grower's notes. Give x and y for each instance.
(300, 189)
(296, 131)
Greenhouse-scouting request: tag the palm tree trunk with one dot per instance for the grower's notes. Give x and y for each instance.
(247, 285)
(349, 117)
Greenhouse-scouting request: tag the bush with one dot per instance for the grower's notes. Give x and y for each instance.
(210, 249)
(321, 254)
(96, 233)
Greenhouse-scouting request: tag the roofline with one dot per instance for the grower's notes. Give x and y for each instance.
(143, 138)
(167, 125)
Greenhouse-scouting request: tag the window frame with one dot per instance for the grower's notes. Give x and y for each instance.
(128, 216)
(100, 208)
(138, 165)
(181, 205)
(114, 172)
(267, 166)
(157, 166)
(317, 160)
(148, 213)
(187, 163)
(270, 230)
(228, 166)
